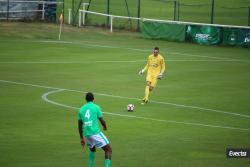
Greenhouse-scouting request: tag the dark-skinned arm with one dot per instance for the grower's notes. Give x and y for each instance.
(81, 132)
(103, 123)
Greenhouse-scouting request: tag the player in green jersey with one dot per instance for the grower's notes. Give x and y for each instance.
(89, 131)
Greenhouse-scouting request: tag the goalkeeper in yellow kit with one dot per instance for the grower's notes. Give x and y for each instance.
(155, 68)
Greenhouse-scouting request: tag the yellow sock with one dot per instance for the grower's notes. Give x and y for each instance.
(146, 93)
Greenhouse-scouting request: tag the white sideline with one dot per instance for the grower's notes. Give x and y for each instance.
(143, 50)
(45, 98)
(137, 99)
(83, 43)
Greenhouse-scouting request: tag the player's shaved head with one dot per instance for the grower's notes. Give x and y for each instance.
(89, 97)
(156, 51)
(157, 48)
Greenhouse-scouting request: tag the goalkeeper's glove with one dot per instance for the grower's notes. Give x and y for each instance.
(141, 72)
(159, 76)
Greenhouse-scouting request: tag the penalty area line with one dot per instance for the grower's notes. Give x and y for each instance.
(46, 99)
(201, 109)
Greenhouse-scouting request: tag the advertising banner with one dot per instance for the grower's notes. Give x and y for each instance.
(236, 36)
(204, 34)
(156, 30)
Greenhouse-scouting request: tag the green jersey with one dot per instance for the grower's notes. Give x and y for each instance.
(89, 115)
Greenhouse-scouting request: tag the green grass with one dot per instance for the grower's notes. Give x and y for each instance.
(34, 132)
(229, 12)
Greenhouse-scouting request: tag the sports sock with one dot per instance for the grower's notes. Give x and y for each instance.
(146, 93)
(107, 162)
(91, 158)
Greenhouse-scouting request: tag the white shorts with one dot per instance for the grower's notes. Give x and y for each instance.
(99, 140)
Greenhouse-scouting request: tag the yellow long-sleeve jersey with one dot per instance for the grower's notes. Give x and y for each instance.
(155, 65)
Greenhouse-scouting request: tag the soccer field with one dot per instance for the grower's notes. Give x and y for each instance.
(199, 109)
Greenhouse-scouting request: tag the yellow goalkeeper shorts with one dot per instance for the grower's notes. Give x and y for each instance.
(152, 79)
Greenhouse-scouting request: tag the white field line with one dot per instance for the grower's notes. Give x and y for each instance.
(106, 61)
(85, 62)
(45, 95)
(45, 98)
(142, 50)
(91, 44)
(137, 99)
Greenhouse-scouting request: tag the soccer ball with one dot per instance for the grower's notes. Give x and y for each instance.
(130, 107)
